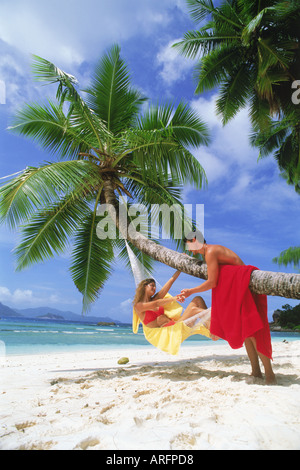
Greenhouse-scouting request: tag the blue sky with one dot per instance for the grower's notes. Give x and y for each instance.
(248, 207)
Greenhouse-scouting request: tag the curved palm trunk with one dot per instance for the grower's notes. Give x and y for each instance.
(261, 282)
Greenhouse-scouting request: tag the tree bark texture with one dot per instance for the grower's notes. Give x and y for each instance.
(261, 282)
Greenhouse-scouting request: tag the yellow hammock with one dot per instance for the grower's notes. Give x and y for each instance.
(169, 338)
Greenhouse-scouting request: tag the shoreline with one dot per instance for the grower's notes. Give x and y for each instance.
(62, 347)
(202, 399)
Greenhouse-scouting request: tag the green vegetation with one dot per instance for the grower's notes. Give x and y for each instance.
(109, 146)
(288, 317)
(250, 51)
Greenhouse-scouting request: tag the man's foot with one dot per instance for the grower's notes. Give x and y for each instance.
(257, 374)
(271, 379)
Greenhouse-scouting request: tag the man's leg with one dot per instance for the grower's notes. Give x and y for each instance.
(250, 344)
(253, 357)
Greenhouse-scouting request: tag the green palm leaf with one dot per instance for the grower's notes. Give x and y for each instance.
(289, 256)
(234, 93)
(111, 95)
(201, 9)
(111, 151)
(187, 128)
(250, 51)
(39, 187)
(49, 126)
(48, 231)
(92, 260)
(196, 42)
(213, 69)
(48, 72)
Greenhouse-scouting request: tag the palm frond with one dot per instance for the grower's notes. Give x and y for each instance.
(67, 92)
(180, 124)
(255, 23)
(187, 127)
(148, 190)
(157, 152)
(259, 113)
(111, 95)
(289, 256)
(271, 138)
(38, 187)
(234, 93)
(49, 126)
(47, 72)
(282, 139)
(215, 67)
(197, 43)
(92, 260)
(202, 9)
(47, 233)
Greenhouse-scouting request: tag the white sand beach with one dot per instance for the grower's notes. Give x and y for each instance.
(202, 399)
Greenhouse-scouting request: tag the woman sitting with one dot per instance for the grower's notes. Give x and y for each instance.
(149, 305)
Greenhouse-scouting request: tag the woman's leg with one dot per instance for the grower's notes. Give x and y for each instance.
(194, 307)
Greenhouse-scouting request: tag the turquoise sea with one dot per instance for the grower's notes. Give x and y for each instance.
(29, 336)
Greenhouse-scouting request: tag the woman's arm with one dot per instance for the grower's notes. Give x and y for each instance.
(165, 289)
(143, 306)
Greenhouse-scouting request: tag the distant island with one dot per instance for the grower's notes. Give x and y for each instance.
(287, 319)
(48, 313)
(50, 316)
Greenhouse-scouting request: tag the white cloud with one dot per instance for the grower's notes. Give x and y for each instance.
(215, 168)
(26, 297)
(19, 296)
(174, 67)
(230, 142)
(71, 31)
(235, 178)
(126, 306)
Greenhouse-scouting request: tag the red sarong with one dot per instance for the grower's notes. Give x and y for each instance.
(237, 313)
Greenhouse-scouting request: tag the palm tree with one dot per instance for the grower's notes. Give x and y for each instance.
(108, 149)
(250, 50)
(289, 256)
(282, 139)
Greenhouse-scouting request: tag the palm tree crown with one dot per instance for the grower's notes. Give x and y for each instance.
(102, 140)
(250, 50)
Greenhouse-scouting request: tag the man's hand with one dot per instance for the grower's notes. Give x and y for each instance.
(186, 292)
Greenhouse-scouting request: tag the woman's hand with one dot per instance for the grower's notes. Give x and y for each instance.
(179, 298)
(186, 293)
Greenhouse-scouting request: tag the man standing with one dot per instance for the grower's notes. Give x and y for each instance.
(237, 315)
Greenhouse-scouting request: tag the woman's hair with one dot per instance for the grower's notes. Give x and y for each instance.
(140, 290)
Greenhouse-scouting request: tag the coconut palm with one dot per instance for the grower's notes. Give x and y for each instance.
(250, 50)
(109, 147)
(282, 139)
(108, 150)
(289, 256)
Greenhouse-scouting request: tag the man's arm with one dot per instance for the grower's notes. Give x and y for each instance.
(212, 276)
